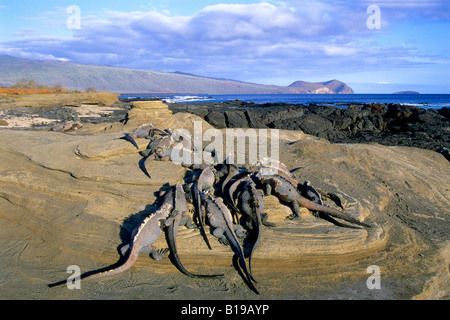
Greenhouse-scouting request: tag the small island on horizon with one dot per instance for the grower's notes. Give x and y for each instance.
(407, 92)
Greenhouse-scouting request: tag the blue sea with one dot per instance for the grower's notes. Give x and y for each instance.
(434, 101)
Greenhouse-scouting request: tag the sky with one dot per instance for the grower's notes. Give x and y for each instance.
(375, 47)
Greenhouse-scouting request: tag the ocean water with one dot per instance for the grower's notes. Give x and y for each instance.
(435, 101)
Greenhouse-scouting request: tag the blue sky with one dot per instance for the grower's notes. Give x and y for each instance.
(270, 42)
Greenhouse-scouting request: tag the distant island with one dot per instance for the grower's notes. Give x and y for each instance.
(407, 92)
(76, 76)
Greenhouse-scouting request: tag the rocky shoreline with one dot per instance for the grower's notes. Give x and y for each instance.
(45, 111)
(390, 125)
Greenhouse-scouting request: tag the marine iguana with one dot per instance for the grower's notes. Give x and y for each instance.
(219, 218)
(163, 153)
(189, 142)
(250, 203)
(204, 182)
(157, 149)
(305, 189)
(312, 194)
(234, 190)
(144, 131)
(155, 142)
(179, 217)
(288, 194)
(143, 238)
(227, 187)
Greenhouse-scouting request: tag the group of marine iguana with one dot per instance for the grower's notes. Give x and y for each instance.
(227, 198)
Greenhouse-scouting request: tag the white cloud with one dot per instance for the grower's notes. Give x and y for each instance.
(225, 40)
(333, 50)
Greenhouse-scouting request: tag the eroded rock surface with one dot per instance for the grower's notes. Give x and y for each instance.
(72, 199)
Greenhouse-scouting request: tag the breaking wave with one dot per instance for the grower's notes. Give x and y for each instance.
(181, 99)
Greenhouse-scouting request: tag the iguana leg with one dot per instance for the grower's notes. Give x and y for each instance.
(187, 222)
(157, 254)
(124, 249)
(240, 232)
(247, 222)
(267, 189)
(145, 153)
(295, 206)
(264, 218)
(219, 233)
(168, 221)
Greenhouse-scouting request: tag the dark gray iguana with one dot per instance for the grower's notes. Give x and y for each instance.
(228, 187)
(305, 189)
(289, 194)
(146, 131)
(219, 218)
(177, 154)
(237, 186)
(233, 192)
(203, 183)
(179, 217)
(312, 194)
(143, 238)
(250, 204)
(158, 149)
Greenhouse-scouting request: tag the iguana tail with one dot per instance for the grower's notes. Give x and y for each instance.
(129, 138)
(131, 259)
(197, 206)
(144, 162)
(171, 232)
(333, 212)
(234, 244)
(256, 225)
